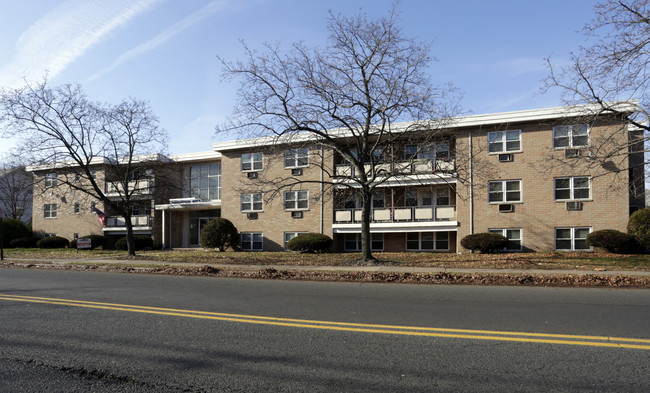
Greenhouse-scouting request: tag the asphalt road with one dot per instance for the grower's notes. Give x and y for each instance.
(73, 331)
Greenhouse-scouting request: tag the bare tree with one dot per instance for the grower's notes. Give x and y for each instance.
(61, 129)
(612, 67)
(345, 99)
(15, 190)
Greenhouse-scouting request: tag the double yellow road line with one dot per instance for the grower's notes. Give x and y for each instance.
(565, 339)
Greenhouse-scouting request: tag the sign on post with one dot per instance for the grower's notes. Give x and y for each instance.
(84, 244)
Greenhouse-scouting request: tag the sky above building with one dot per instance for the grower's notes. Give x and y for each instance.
(165, 51)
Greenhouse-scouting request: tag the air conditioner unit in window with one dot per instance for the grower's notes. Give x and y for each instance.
(505, 157)
(296, 214)
(572, 153)
(573, 206)
(506, 208)
(296, 172)
(251, 216)
(252, 175)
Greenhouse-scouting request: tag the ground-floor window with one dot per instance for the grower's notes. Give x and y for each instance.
(513, 235)
(352, 242)
(427, 241)
(251, 241)
(572, 239)
(290, 235)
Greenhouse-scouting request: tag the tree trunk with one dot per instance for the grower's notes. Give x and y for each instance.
(130, 241)
(366, 254)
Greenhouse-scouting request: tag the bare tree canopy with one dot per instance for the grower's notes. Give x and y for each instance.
(60, 127)
(345, 97)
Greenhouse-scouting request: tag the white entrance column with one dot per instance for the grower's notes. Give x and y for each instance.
(163, 230)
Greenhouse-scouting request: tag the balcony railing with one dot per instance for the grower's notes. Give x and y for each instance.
(398, 214)
(136, 187)
(420, 166)
(136, 221)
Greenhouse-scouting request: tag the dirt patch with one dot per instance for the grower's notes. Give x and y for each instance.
(527, 279)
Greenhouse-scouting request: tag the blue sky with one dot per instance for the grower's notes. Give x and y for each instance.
(165, 51)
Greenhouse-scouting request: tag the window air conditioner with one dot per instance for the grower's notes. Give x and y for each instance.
(251, 216)
(573, 206)
(572, 153)
(297, 214)
(252, 175)
(296, 172)
(507, 208)
(505, 157)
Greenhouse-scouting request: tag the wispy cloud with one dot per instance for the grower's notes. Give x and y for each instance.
(65, 34)
(163, 37)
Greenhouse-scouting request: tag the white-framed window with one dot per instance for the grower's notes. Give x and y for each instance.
(205, 181)
(504, 191)
(572, 239)
(504, 141)
(252, 202)
(51, 180)
(49, 210)
(77, 208)
(571, 136)
(290, 235)
(572, 188)
(296, 200)
(512, 234)
(296, 158)
(352, 242)
(442, 197)
(251, 241)
(427, 241)
(252, 162)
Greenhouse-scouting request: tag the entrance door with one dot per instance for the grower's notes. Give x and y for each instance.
(202, 222)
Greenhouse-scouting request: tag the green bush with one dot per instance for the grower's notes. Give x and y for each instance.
(614, 241)
(310, 242)
(484, 242)
(95, 241)
(639, 227)
(53, 242)
(24, 242)
(141, 242)
(13, 229)
(219, 233)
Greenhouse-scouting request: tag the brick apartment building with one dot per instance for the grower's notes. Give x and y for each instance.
(537, 176)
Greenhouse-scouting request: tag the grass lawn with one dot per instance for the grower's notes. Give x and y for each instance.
(551, 260)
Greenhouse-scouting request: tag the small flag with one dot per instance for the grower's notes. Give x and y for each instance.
(100, 215)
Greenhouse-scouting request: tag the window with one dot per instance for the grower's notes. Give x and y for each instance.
(49, 210)
(411, 198)
(442, 197)
(513, 235)
(504, 141)
(441, 151)
(251, 202)
(294, 158)
(570, 188)
(51, 180)
(76, 208)
(576, 135)
(296, 200)
(415, 152)
(251, 162)
(251, 241)
(378, 199)
(352, 242)
(205, 182)
(504, 191)
(572, 239)
(290, 235)
(427, 241)
(75, 236)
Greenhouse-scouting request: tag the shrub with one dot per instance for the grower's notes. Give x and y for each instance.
(310, 242)
(219, 233)
(614, 241)
(484, 242)
(95, 241)
(141, 242)
(53, 242)
(13, 229)
(639, 227)
(24, 242)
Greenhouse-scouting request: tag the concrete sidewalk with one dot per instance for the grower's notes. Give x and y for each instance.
(383, 269)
